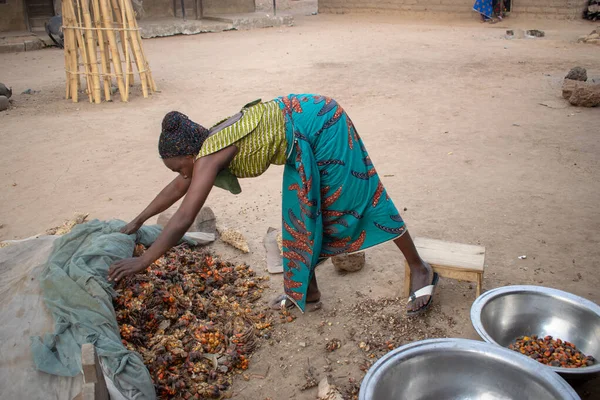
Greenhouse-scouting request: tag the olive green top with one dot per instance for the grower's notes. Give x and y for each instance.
(260, 138)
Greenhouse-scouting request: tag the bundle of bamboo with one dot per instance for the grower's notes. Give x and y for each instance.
(100, 36)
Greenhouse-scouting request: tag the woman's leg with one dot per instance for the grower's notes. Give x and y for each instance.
(313, 294)
(421, 273)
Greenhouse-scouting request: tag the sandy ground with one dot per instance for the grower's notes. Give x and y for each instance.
(450, 112)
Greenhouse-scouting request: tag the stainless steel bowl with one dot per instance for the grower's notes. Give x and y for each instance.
(461, 369)
(503, 314)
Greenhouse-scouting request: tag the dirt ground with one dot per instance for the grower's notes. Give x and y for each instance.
(467, 129)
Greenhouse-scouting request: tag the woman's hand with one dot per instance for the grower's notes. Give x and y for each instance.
(132, 227)
(126, 267)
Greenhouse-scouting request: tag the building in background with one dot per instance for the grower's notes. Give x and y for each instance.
(556, 9)
(31, 15)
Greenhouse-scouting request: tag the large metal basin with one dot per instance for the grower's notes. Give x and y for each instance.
(460, 369)
(503, 314)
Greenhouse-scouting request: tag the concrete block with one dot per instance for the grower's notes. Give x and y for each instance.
(31, 45)
(12, 47)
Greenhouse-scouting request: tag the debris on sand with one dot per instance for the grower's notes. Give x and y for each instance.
(234, 239)
(328, 391)
(68, 225)
(592, 38)
(311, 380)
(333, 345)
(194, 319)
(382, 325)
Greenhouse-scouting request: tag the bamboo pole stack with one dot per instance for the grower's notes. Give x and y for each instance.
(102, 42)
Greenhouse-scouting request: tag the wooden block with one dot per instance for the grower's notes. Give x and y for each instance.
(450, 260)
(88, 391)
(448, 254)
(92, 374)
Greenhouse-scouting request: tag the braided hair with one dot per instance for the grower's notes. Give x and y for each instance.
(180, 136)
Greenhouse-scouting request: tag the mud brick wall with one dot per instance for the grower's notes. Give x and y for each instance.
(164, 8)
(12, 16)
(561, 9)
(228, 6)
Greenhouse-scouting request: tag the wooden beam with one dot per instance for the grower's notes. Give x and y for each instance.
(92, 374)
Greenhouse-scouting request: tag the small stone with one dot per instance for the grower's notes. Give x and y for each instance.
(577, 74)
(4, 103)
(593, 36)
(302, 344)
(349, 262)
(536, 33)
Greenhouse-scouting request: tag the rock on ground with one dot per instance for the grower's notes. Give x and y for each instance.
(577, 74)
(349, 262)
(205, 220)
(581, 94)
(3, 103)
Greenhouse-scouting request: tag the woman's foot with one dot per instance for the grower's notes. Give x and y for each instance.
(311, 304)
(313, 298)
(421, 275)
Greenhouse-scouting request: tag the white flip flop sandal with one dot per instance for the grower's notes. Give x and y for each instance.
(425, 291)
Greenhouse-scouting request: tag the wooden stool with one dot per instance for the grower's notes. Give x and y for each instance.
(450, 260)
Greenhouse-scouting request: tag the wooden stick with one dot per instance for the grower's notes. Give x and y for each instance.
(69, 17)
(120, 20)
(91, 51)
(67, 58)
(83, 51)
(137, 35)
(137, 52)
(106, 53)
(92, 373)
(105, 67)
(112, 40)
(126, 49)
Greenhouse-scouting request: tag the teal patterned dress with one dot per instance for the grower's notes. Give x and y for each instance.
(333, 200)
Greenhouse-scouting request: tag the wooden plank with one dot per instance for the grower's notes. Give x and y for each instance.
(92, 373)
(451, 255)
(88, 391)
(470, 276)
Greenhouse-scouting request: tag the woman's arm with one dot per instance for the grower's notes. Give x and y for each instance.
(205, 172)
(165, 199)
